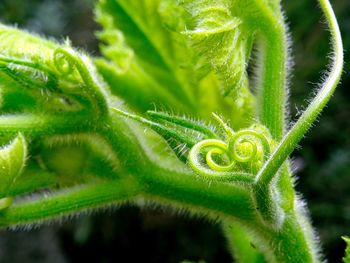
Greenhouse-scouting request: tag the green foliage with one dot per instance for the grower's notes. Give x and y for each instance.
(12, 159)
(159, 62)
(346, 258)
(222, 42)
(87, 127)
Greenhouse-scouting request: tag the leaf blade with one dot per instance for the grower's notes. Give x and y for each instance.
(12, 161)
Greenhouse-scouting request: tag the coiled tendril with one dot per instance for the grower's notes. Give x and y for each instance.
(66, 62)
(238, 160)
(244, 146)
(63, 62)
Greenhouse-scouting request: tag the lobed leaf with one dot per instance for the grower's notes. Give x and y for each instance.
(149, 61)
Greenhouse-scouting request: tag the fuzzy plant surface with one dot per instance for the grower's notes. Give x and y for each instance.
(187, 107)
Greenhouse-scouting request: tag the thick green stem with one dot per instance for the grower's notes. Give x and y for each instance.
(39, 125)
(185, 190)
(244, 247)
(32, 180)
(293, 243)
(64, 203)
(118, 133)
(273, 81)
(273, 66)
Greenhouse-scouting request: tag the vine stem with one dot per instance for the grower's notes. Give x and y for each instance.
(33, 124)
(292, 138)
(272, 67)
(272, 92)
(241, 243)
(64, 203)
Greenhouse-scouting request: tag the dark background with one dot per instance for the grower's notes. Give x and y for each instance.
(154, 235)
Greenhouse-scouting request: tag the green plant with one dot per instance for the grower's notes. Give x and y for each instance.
(79, 140)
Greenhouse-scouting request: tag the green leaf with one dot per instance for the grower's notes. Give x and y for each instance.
(12, 160)
(346, 258)
(15, 43)
(27, 58)
(143, 55)
(149, 61)
(222, 39)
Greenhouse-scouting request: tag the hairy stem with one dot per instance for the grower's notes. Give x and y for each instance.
(184, 190)
(242, 245)
(64, 203)
(273, 68)
(273, 81)
(292, 138)
(35, 125)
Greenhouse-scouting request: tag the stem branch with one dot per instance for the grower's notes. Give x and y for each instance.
(292, 138)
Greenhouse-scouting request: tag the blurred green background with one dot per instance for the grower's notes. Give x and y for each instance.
(322, 164)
